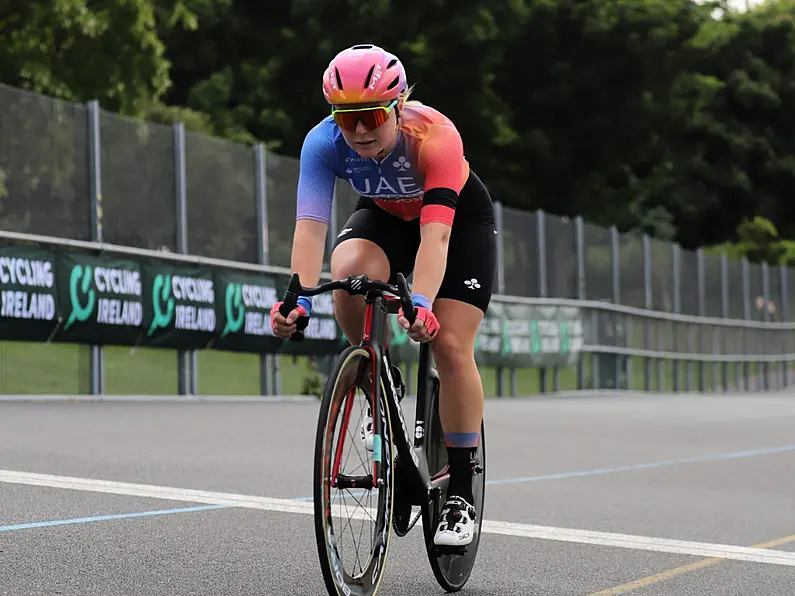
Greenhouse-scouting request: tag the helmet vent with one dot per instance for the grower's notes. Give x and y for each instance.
(339, 80)
(394, 83)
(365, 46)
(369, 76)
(391, 63)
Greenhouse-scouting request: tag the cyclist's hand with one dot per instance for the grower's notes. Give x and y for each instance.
(285, 326)
(425, 325)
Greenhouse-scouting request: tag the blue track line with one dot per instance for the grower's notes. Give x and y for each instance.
(83, 520)
(632, 467)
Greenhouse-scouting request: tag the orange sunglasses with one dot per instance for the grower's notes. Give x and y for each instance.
(372, 117)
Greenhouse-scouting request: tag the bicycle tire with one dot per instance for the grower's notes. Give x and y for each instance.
(348, 373)
(451, 570)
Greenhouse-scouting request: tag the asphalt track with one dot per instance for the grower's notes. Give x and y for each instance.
(637, 494)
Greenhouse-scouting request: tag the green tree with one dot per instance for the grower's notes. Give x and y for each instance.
(735, 158)
(77, 50)
(74, 51)
(590, 84)
(652, 115)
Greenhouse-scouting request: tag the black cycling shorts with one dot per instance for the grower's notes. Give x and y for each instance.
(472, 250)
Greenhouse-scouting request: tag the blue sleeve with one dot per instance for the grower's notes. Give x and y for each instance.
(316, 177)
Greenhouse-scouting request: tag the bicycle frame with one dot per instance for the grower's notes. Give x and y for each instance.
(377, 307)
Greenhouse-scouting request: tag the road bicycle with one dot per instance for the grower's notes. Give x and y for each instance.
(403, 473)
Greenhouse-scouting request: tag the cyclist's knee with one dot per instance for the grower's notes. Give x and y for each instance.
(358, 256)
(454, 346)
(355, 257)
(452, 353)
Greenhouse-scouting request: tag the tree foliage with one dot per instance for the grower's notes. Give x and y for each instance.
(671, 117)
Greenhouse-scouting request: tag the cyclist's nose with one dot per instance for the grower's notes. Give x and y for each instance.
(361, 128)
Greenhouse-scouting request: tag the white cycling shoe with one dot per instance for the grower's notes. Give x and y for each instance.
(456, 523)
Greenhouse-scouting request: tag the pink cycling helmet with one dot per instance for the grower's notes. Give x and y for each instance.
(363, 73)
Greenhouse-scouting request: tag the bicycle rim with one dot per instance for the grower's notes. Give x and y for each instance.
(451, 569)
(358, 518)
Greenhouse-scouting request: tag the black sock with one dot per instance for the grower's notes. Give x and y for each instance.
(460, 485)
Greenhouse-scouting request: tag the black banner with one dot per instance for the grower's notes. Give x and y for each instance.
(243, 304)
(179, 306)
(101, 299)
(75, 296)
(29, 307)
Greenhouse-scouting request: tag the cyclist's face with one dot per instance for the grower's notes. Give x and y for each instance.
(373, 142)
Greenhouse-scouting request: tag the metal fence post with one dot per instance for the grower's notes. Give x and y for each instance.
(261, 202)
(765, 337)
(275, 359)
(783, 317)
(747, 316)
(95, 188)
(647, 303)
(579, 248)
(702, 298)
(616, 263)
(676, 254)
(724, 308)
(187, 365)
(498, 215)
(541, 246)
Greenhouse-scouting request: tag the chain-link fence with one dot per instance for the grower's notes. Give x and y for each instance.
(67, 170)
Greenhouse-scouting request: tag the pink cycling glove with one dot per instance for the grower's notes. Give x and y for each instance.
(423, 307)
(302, 311)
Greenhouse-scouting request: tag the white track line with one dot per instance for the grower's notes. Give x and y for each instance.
(186, 399)
(681, 547)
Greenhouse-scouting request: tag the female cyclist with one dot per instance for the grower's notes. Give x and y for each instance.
(420, 209)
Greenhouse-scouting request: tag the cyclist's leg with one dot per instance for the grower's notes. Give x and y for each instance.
(460, 305)
(460, 412)
(377, 244)
(355, 256)
(373, 243)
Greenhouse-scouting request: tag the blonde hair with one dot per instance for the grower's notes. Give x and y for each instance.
(404, 98)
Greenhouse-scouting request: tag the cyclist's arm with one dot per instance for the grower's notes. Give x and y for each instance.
(442, 160)
(316, 180)
(309, 245)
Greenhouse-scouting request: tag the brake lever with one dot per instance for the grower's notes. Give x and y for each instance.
(289, 304)
(409, 310)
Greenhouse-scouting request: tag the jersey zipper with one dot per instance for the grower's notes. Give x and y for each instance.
(389, 155)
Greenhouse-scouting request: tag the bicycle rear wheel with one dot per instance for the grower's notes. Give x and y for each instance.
(451, 567)
(363, 498)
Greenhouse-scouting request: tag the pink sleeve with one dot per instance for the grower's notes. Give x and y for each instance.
(441, 159)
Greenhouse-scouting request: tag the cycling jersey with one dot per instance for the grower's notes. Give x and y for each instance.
(428, 155)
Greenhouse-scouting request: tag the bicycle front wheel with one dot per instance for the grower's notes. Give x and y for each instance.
(353, 503)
